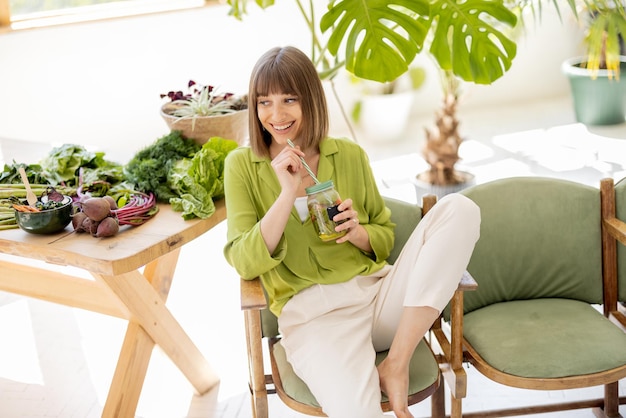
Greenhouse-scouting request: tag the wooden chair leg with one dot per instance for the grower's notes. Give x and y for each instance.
(456, 410)
(259, 406)
(438, 401)
(611, 402)
(253, 406)
(258, 391)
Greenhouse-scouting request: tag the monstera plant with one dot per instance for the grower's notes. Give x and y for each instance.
(378, 40)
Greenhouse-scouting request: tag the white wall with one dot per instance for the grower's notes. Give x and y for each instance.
(98, 84)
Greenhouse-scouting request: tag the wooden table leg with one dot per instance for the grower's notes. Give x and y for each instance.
(130, 374)
(151, 323)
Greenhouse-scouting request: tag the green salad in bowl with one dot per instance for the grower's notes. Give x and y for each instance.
(47, 216)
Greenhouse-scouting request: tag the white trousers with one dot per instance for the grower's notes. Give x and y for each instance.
(331, 332)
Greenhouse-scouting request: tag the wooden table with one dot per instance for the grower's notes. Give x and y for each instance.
(133, 272)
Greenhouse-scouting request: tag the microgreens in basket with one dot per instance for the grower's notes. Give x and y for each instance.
(202, 100)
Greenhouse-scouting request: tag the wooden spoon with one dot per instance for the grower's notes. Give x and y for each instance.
(30, 196)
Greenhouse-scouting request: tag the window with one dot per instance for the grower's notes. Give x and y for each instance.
(23, 14)
(25, 7)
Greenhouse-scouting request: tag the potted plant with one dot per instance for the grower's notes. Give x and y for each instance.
(375, 98)
(599, 95)
(203, 112)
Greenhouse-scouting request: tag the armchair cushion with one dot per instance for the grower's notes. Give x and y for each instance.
(269, 323)
(544, 338)
(423, 371)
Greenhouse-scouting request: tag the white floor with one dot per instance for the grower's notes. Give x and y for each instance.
(58, 362)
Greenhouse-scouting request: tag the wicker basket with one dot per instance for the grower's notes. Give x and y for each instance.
(230, 126)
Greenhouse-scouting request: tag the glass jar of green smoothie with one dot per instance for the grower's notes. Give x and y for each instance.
(322, 201)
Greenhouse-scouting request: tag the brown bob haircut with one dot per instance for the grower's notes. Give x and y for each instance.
(288, 70)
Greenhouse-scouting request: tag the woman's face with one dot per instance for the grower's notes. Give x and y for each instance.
(280, 115)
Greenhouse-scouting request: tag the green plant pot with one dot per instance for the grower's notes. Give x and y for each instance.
(600, 101)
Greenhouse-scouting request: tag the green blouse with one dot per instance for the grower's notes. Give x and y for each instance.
(301, 258)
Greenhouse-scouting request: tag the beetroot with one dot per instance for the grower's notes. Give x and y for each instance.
(91, 226)
(77, 221)
(96, 208)
(107, 227)
(97, 217)
(111, 201)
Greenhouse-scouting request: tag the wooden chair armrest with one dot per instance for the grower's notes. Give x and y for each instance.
(617, 229)
(467, 282)
(252, 296)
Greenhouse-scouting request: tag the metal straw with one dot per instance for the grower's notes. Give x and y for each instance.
(306, 166)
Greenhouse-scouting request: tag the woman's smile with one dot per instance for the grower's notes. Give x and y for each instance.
(282, 127)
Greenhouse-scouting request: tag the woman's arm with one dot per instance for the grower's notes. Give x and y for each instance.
(246, 201)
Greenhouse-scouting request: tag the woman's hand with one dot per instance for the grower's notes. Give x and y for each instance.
(355, 233)
(288, 167)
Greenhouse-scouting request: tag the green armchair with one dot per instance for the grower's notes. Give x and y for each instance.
(536, 319)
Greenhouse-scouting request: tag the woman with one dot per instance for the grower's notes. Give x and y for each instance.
(337, 302)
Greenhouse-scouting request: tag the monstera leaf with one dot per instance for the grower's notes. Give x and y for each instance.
(465, 43)
(381, 37)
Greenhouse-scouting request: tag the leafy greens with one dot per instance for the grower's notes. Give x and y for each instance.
(200, 180)
(64, 165)
(149, 168)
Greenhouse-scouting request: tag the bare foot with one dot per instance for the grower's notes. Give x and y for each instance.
(394, 382)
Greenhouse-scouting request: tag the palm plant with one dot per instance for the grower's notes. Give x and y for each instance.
(605, 22)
